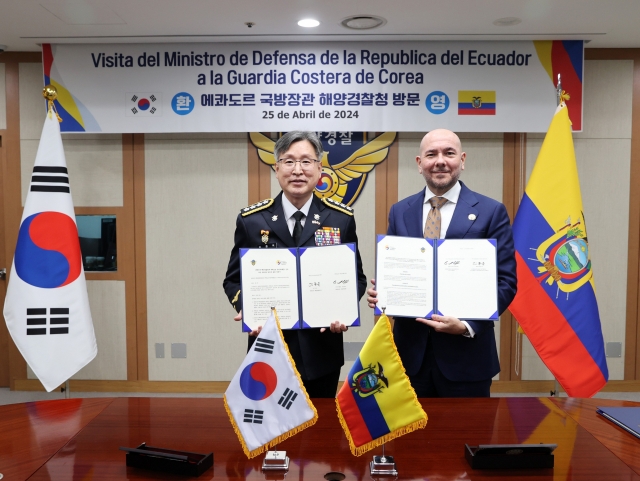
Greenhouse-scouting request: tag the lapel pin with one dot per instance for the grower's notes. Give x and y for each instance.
(274, 218)
(472, 217)
(265, 236)
(315, 222)
(316, 216)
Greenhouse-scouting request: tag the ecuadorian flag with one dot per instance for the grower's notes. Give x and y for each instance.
(556, 301)
(377, 403)
(476, 102)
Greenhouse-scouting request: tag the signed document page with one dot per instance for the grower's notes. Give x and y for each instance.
(269, 279)
(404, 276)
(329, 285)
(467, 279)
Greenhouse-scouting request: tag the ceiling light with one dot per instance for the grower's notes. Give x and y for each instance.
(363, 22)
(507, 21)
(308, 22)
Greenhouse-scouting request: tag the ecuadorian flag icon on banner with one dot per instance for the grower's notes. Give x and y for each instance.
(476, 102)
(377, 403)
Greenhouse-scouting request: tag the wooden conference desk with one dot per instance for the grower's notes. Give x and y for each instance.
(78, 439)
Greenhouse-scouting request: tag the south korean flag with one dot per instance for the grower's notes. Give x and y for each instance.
(266, 400)
(143, 104)
(47, 306)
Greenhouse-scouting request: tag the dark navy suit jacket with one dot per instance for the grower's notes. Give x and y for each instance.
(459, 358)
(316, 354)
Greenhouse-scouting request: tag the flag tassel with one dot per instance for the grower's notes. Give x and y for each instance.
(274, 442)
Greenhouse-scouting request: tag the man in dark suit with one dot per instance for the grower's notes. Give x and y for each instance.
(444, 356)
(291, 220)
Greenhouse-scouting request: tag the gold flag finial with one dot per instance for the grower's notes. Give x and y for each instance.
(50, 93)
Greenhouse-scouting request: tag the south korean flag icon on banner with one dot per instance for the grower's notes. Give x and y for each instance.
(143, 104)
(266, 400)
(47, 307)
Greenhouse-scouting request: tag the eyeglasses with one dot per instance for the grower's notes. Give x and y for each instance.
(289, 164)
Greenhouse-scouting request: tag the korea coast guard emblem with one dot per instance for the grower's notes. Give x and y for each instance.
(347, 160)
(369, 381)
(565, 257)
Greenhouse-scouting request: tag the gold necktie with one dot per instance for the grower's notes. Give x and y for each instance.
(432, 226)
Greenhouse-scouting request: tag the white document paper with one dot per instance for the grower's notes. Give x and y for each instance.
(404, 276)
(416, 277)
(329, 285)
(467, 278)
(269, 279)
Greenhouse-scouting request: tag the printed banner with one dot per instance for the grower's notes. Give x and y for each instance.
(322, 86)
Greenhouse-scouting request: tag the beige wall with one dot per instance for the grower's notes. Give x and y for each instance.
(603, 153)
(195, 187)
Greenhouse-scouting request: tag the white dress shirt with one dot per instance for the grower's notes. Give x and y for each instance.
(290, 209)
(446, 214)
(446, 211)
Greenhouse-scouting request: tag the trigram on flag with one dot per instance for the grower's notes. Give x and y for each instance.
(143, 104)
(376, 403)
(38, 317)
(46, 306)
(266, 400)
(556, 301)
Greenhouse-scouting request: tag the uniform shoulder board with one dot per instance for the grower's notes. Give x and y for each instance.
(344, 208)
(252, 209)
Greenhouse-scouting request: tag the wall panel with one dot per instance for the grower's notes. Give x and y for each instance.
(3, 98)
(32, 104)
(95, 169)
(194, 190)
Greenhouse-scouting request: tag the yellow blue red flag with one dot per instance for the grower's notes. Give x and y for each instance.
(376, 403)
(556, 301)
(476, 102)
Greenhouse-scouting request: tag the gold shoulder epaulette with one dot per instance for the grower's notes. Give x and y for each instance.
(263, 204)
(344, 208)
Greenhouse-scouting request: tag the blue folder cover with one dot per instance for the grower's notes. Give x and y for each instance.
(628, 418)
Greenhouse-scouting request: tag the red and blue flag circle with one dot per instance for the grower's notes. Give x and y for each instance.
(143, 104)
(48, 250)
(258, 381)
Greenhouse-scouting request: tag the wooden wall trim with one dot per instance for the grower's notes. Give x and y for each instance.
(20, 57)
(632, 330)
(140, 247)
(126, 255)
(4, 263)
(386, 187)
(259, 175)
(514, 168)
(12, 192)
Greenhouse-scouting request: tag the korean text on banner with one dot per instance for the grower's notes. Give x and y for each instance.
(556, 301)
(266, 400)
(47, 306)
(376, 402)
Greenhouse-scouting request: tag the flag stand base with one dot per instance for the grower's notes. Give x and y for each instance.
(275, 461)
(383, 466)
